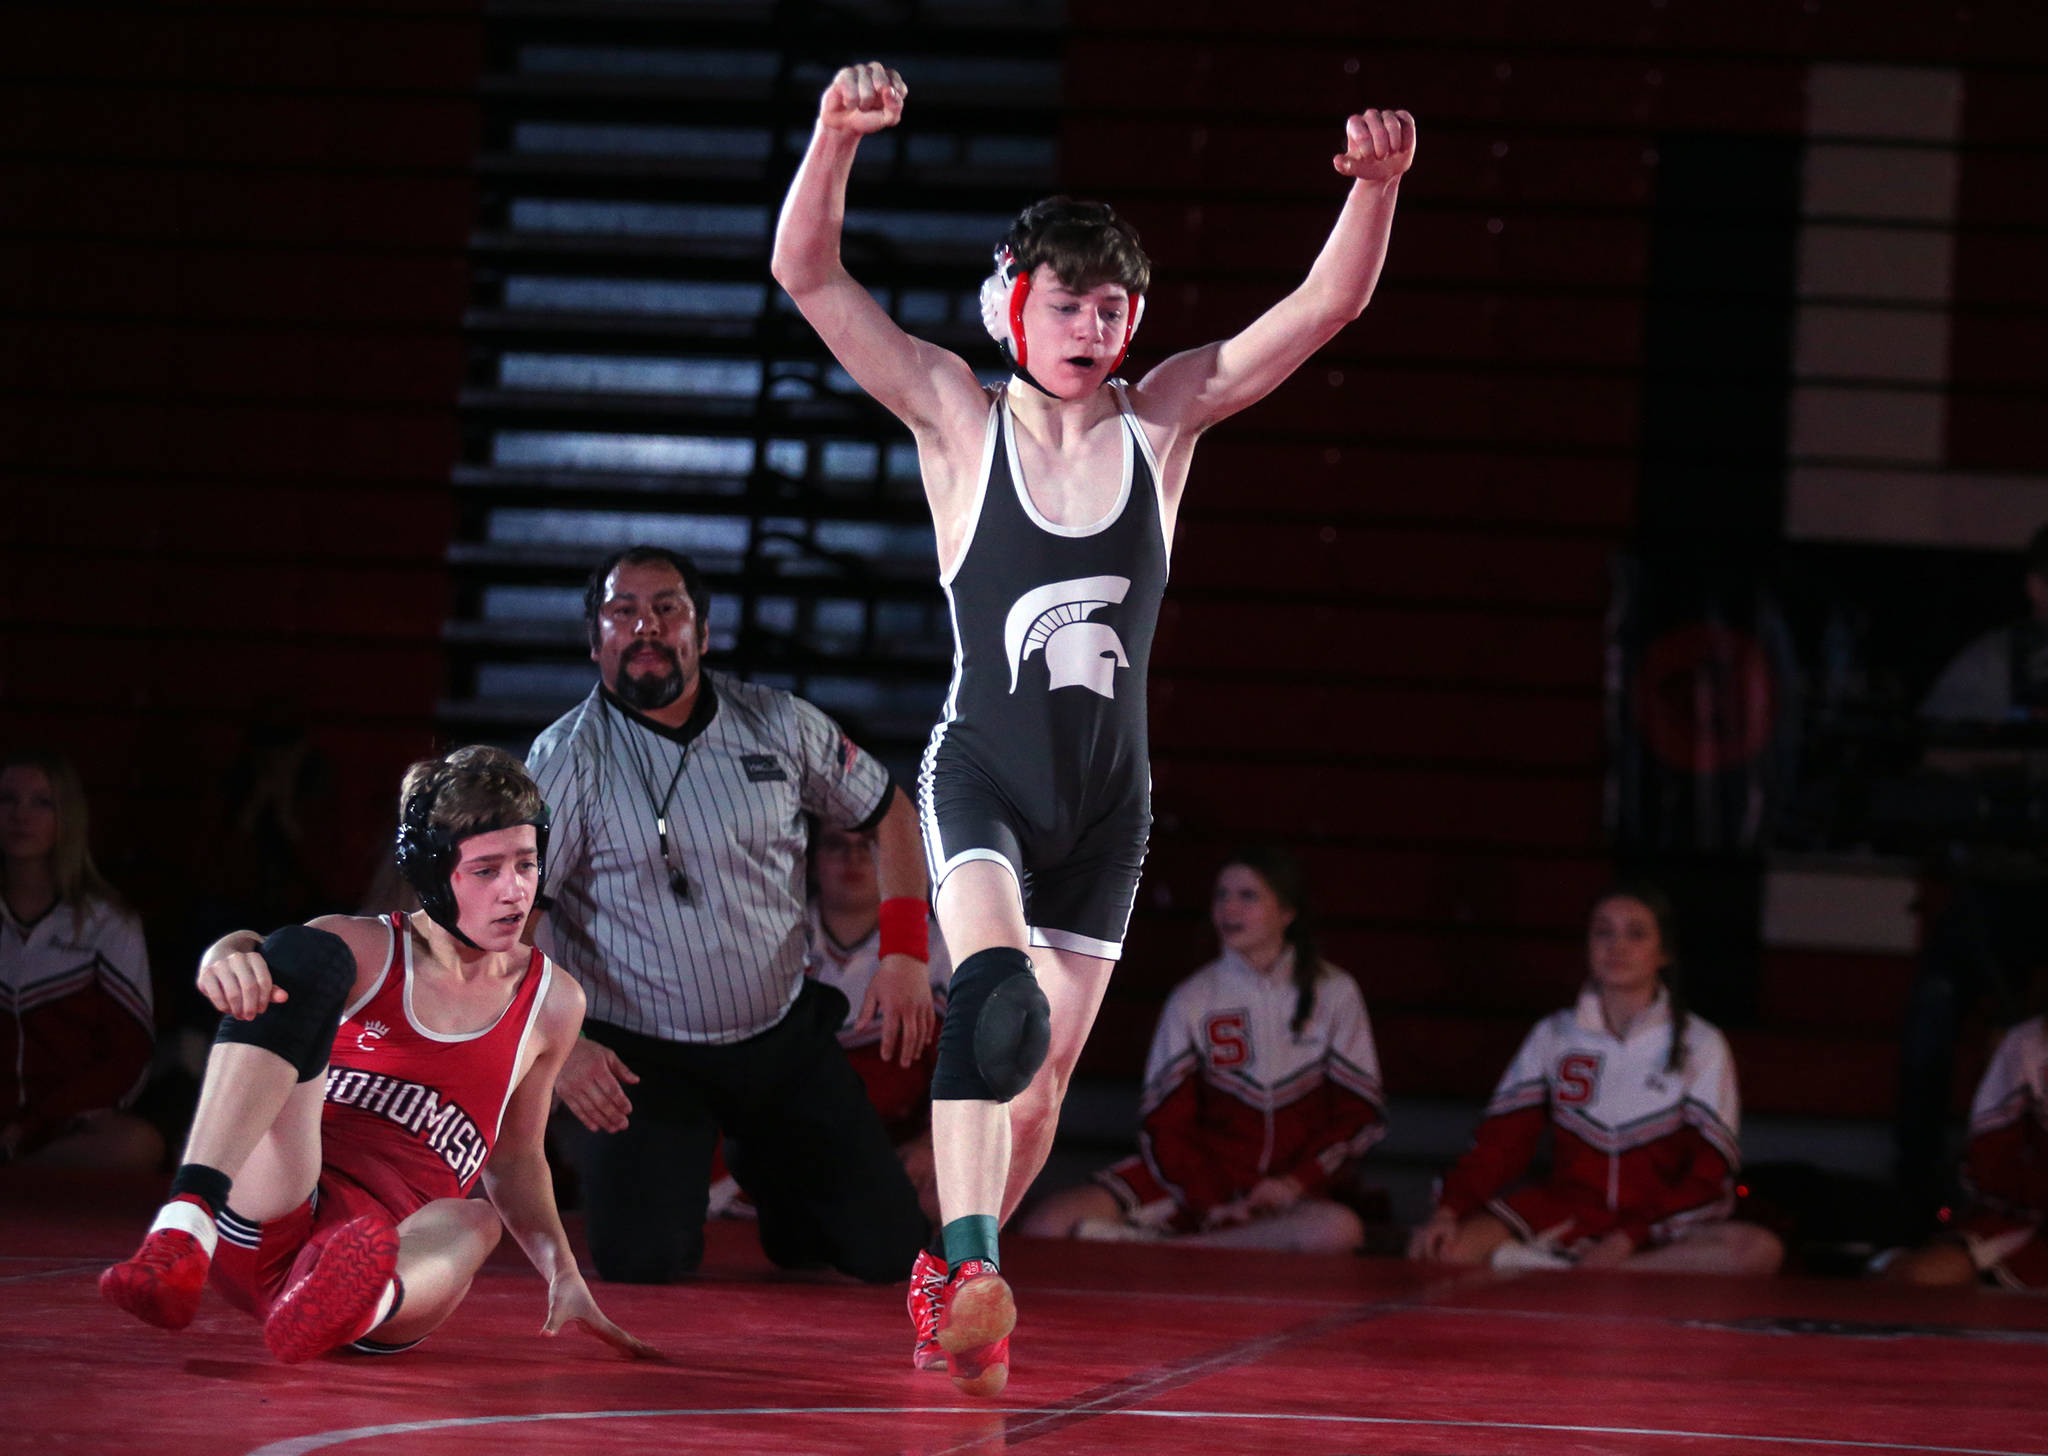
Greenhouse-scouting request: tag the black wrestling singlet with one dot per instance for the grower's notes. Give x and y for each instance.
(1052, 629)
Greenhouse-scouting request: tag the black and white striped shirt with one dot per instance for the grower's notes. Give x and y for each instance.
(727, 961)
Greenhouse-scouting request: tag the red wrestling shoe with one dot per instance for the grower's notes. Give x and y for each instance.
(927, 1298)
(161, 1285)
(974, 1328)
(334, 1300)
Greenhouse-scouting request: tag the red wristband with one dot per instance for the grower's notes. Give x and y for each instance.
(905, 930)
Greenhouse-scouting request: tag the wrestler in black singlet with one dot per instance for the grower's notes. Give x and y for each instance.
(1041, 759)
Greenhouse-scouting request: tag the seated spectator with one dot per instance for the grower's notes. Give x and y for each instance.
(75, 975)
(2002, 675)
(2001, 1239)
(1641, 1103)
(1990, 932)
(1262, 1083)
(846, 941)
(846, 953)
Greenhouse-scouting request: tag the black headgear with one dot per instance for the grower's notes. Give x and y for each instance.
(428, 854)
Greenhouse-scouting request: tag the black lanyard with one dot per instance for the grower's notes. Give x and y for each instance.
(677, 880)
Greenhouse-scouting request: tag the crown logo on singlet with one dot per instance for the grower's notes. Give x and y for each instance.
(369, 1034)
(1054, 619)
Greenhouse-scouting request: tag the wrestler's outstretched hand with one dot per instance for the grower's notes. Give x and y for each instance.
(1378, 146)
(570, 1304)
(863, 99)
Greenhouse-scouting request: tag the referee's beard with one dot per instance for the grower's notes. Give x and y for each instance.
(650, 692)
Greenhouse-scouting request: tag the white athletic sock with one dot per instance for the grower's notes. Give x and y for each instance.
(188, 1215)
(383, 1311)
(1517, 1256)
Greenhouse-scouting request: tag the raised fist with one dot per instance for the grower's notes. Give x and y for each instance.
(1378, 146)
(863, 99)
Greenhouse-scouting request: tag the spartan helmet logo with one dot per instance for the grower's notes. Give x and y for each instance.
(1078, 653)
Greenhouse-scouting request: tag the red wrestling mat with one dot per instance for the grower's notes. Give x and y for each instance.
(1136, 1350)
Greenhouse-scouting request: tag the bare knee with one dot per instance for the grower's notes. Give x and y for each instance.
(440, 1248)
(1935, 1266)
(109, 1140)
(1753, 1249)
(1328, 1228)
(483, 1222)
(135, 1144)
(1057, 1216)
(1476, 1239)
(1035, 1112)
(470, 1225)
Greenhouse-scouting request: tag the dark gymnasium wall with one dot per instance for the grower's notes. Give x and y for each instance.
(231, 290)
(1385, 636)
(231, 287)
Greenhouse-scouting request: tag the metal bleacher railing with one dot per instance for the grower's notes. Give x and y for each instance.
(634, 374)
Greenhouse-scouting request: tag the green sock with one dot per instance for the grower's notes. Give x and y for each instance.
(972, 1237)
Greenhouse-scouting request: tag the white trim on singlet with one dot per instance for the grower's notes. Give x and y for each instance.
(988, 460)
(540, 997)
(1130, 416)
(1102, 950)
(390, 949)
(1093, 528)
(927, 816)
(928, 764)
(952, 708)
(413, 1019)
(968, 856)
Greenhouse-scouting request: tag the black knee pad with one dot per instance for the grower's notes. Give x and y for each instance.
(997, 1030)
(316, 970)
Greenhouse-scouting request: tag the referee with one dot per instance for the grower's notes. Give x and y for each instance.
(675, 895)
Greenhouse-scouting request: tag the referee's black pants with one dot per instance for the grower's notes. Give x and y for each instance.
(801, 1138)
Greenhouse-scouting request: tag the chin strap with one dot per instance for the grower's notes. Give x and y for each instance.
(1018, 371)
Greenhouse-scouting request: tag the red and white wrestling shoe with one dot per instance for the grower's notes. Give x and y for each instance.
(161, 1285)
(333, 1301)
(974, 1328)
(927, 1298)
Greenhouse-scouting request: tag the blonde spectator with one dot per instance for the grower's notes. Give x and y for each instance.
(75, 975)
